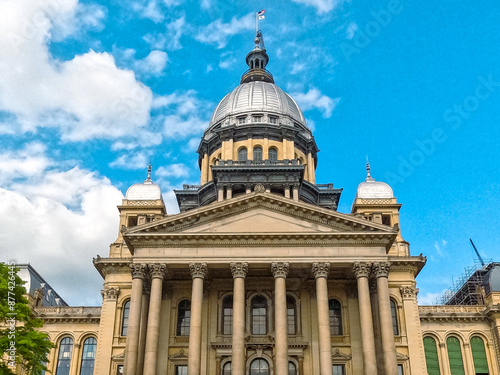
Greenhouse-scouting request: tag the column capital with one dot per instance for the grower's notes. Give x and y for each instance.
(157, 270)
(362, 269)
(239, 269)
(408, 292)
(110, 293)
(321, 269)
(138, 270)
(381, 269)
(198, 270)
(279, 269)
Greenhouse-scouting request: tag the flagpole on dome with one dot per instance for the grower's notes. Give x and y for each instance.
(259, 16)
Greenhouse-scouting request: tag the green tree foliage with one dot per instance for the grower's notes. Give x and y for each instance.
(20, 341)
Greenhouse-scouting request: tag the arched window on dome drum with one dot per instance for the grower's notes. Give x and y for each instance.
(292, 369)
(88, 356)
(273, 154)
(291, 315)
(226, 370)
(394, 314)
(479, 355)
(126, 312)
(64, 356)
(431, 356)
(183, 317)
(259, 366)
(455, 356)
(335, 313)
(259, 315)
(227, 315)
(242, 154)
(257, 153)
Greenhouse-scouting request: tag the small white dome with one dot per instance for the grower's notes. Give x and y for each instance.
(147, 190)
(371, 189)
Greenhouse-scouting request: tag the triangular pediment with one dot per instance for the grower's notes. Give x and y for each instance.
(259, 213)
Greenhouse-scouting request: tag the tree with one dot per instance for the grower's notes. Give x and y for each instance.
(20, 340)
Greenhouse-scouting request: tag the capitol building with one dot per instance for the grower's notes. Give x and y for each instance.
(259, 274)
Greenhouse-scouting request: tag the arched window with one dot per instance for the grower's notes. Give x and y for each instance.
(126, 312)
(259, 366)
(394, 314)
(227, 315)
(455, 356)
(291, 315)
(183, 317)
(335, 312)
(242, 154)
(431, 356)
(273, 154)
(88, 356)
(292, 369)
(259, 315)
(64, 356)
(226, 370)
(257, 153)
(479, 355)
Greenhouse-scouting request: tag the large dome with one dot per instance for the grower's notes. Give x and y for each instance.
(257, 97)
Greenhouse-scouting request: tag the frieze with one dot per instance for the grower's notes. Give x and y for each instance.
(381, 269)
(198, 270)
(66, 314)
(321, 269)
(239, 269)
(362, 269)
(279, 269)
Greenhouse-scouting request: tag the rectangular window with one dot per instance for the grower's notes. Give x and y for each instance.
(241, 120)
(257, 118)
(273, 120)
(338, 370)
(400, 370)
(119, 370)
(181, 370)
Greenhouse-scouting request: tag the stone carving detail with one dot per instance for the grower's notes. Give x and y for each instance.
(279, 269)
(321, 269)
(338, 354)
(362, 269)
(138, 271)
(259, 188)
(110, 293)
(381, 269)
(157, 270)
(198, 270)
(408, 292)
(239, 269)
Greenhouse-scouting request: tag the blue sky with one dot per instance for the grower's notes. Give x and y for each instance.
(91, 91)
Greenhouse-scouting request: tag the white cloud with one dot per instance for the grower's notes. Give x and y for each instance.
(29, 162)
(150, 10)
(351, 30)
(170, 39)
(131, 161)
(173, 170)
(218, 32)
(314, 99)
(153, 64)
(322, 6)
(85, 97)
(429, 298)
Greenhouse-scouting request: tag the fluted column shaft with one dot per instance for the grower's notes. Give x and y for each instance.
(381, 270)
(143, 330)
(320, 272)
(362, 272)
(280, 271)
(198, 273)
(133, 329)
(239, 271)
(157, 272)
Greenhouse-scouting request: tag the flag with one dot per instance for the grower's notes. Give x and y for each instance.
(261, 14)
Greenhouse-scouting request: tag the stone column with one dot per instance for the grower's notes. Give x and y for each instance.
(132, 343)
(287, 191)
(198, 273)
(220, 193)
(157, 273)
(381, 270)
(444, 360)
(320, 272)
(280, 271)
(295, 192)
(105, 344)
(362, 271)
(146, 291)
(376, 326)
(229, 192)
(239, 271)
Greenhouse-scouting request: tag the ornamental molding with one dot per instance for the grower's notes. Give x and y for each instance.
(408, 292)
(259, 188)
(110, 293)
(157, 270)
(107, 266)
(337, 354)
(139, 270)
(381, 269)
(401, 356)
(198, 270)
(66, 314)
(321, 269)
(280, 269)
(362, 269)
(179, 356)
(239, 269)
